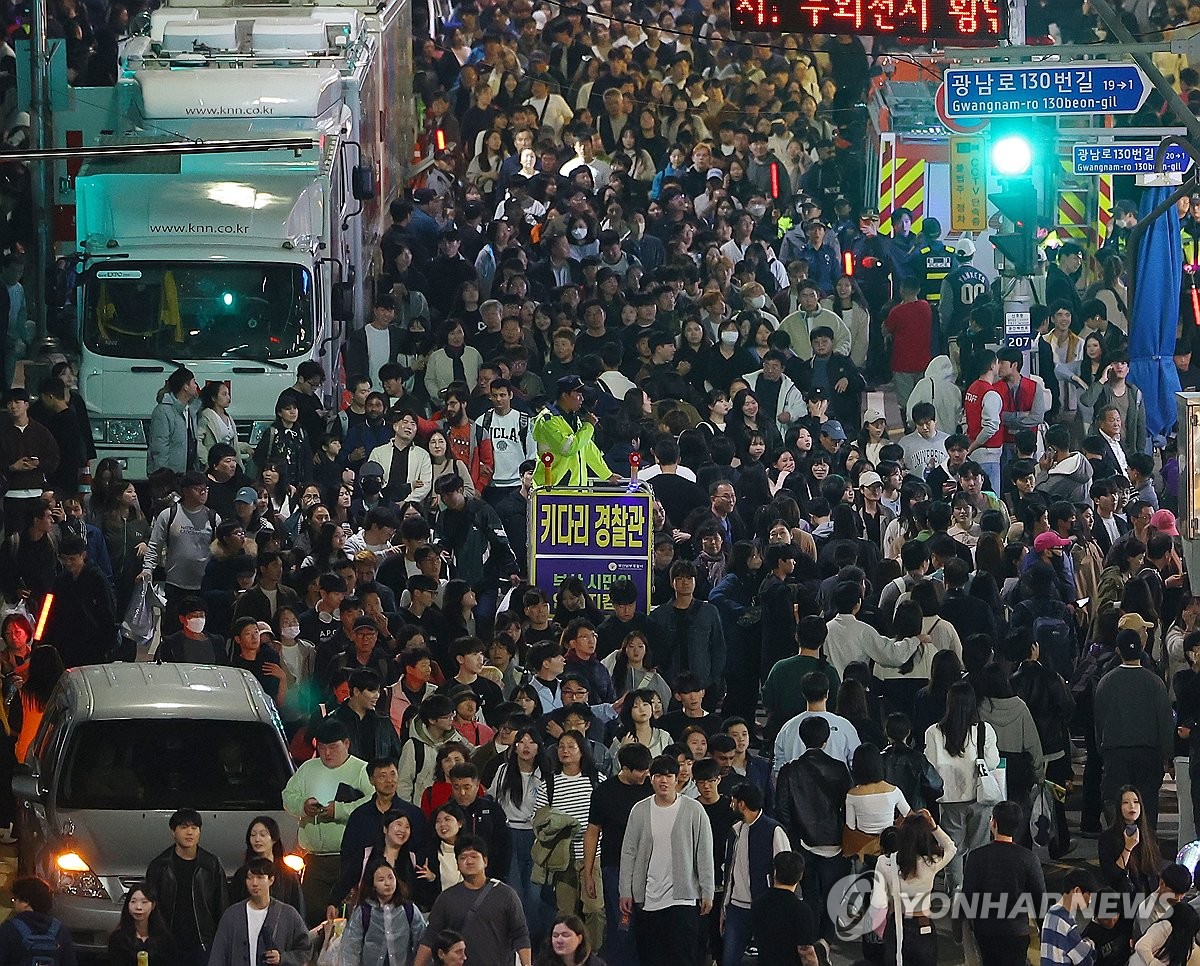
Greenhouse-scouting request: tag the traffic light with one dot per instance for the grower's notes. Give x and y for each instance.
(1012, 155)
(1017, 203)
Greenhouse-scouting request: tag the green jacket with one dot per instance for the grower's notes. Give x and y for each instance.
(314, 780)
(574, 450)
(553, 832)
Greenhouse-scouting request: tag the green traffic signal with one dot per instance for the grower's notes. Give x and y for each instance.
(1012, 155)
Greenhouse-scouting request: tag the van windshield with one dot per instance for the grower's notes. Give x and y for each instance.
(198, 310)
(167, 763)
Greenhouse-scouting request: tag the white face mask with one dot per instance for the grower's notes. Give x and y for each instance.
(757, 211)
(757, 301)
(289, 632)
(195, 625)
(729, 338)
(579, 234)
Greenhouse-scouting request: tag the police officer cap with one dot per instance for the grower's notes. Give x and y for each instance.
(569, 384)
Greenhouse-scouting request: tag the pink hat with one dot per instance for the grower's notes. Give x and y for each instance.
(1164, 522)
(1049, 540)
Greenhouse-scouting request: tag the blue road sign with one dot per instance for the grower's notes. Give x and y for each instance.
(1042, 90)
(1127, 157)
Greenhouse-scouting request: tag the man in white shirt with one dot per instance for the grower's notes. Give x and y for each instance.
(512, 441)
(552, 111)
(850, 639)
(260, 931)
(843, 736)
(747, 866)
(667, 870)
(585, 156)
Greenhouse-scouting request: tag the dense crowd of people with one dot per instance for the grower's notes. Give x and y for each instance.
(626, 250)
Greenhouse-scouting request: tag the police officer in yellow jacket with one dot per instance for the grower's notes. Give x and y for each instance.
(930, 264)
(564, 437)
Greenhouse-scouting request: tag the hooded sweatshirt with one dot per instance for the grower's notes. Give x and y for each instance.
(937, 387)
(1015, 729)
(1069, 480)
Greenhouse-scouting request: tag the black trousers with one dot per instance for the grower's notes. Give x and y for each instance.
(668, 937)
(1002, 950)
(1140, 767)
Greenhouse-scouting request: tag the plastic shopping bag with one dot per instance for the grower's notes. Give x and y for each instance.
(138, 625)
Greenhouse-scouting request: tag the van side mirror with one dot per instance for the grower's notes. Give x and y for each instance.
(342, 301)
(25, 784)
(362, 182)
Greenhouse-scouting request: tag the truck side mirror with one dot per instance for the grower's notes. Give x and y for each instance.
(362, 182)
(25, 784)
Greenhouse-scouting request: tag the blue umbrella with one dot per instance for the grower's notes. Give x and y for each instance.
(1155, 313)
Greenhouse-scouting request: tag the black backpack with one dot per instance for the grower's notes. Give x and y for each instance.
(38, 948)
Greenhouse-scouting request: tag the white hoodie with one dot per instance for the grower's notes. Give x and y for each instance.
(937, 386)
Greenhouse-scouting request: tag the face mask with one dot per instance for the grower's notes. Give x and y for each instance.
(579, 234)
(757, 210)
(289, 632)
(195, 625)
(371, 485)
(729, 338)
(757, 301)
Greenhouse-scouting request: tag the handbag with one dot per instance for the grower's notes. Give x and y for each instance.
(987, 785)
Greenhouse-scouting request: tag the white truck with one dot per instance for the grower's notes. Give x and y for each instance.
(239, 264)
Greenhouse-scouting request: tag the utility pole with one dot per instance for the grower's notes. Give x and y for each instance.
(42, 182)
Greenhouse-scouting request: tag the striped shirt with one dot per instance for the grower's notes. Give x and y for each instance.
(1062, 941)
(572, 795)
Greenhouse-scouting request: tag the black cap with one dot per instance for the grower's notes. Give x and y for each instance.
(815, 393)
(17, 394)
(569, 384)
(423, 196)
(366, 622)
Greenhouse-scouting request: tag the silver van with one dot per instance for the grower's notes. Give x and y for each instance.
(120, 748)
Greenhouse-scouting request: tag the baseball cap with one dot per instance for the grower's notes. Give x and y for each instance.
(1049, 541)
(423, 196)
(1132, 622)
(1164, 522)
(833, 429)
(569, 384)
(247, 494)
(370, 468)
(815, 394)
(715, 173)
(265, 628)
(367, 622)
(873, 416)
(965, 248)
(869, 479)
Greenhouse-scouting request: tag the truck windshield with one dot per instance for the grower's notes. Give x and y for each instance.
(163, 763)
(198, 310)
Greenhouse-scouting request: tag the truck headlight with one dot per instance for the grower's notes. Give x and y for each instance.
(74, 877)
(124, 431)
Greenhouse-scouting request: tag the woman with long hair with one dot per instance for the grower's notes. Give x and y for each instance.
(1171, 941)
(326, 546)
(568, 945)
(107, 473)
(452, 753)
(906, 526)
(452, 361)
(903, 882)
(568, 789)
(517, 782)
(872, 804)
(632, 667)
(747, 418)
(27, 707)
(872, 437)
(945, 670)
(213, 422)
(264, 841)
(141, 929)
(445, 463)
(385, 928)
(449, 949)
(1016, 733)
(440, 868)
(1111, 291)
(1128, 849)
(849, 303)
(458, 609)
(397, 847)
(127, 534)
(1086, 375)
(484, 169)
(634, 724)
(1124, 560)
(952, 747)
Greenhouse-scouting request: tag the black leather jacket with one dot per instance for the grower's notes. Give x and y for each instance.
(210, 891)
(810, 798)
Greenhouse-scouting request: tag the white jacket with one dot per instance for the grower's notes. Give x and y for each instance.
(799, 324)
(420, 469)
(937, 387)
(790, 399)
(958, 772)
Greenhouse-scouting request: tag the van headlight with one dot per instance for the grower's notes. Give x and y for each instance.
(74, 877)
